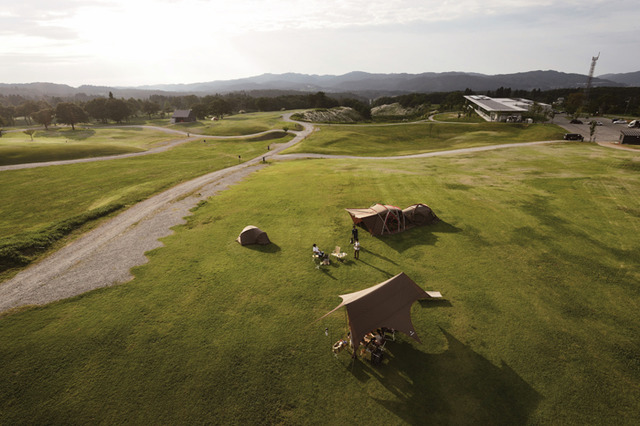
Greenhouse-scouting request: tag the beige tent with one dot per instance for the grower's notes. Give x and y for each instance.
(379, 219)
(253, 235)
(419, 214)
(387, 304)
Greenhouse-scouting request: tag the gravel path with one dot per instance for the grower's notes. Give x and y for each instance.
(105, 255)
(423, 155)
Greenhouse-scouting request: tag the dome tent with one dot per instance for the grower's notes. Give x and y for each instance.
(419, 214)
(253, 235)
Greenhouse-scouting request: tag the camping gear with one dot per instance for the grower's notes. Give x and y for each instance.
(379, 219)
(253, 235)
(385, 305)
(382, 219)
(418, 215)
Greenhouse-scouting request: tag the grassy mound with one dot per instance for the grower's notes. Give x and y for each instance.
(332, 115)
(416, 138)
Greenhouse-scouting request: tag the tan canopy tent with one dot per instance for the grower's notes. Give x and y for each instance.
(379, 219)
(419, 214)
(253, 235)
(387, 304)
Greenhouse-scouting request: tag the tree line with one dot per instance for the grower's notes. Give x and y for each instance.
(110, 109)
(602, 100)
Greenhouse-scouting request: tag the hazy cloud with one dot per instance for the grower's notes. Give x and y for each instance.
(195, 40)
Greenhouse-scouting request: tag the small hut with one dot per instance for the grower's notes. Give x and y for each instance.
(183, 116)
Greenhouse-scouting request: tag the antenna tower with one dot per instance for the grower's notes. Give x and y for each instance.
(594, 59)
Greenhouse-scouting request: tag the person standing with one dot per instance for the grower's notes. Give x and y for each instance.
(354, 234)
(356, 250)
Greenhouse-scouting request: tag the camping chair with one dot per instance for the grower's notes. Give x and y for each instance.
(339, 346)
(376, 354)
(338, 254)
(389, 334)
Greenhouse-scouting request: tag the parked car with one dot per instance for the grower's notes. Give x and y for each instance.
(598, 123)
(575, 121)
(573, 137)
(634, 124)
(620, 121)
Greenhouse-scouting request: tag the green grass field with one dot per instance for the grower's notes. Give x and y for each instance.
(537, 255)
(453, 117)
(415, 138)
(239, 124)
(66, 144)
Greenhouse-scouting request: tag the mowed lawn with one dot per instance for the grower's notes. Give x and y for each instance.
(59, 144)
(537, 255)
(239, 124)
(416, 138)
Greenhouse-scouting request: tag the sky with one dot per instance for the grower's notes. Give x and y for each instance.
(146, 42)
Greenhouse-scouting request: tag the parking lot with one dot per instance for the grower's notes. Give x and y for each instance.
(608, 132)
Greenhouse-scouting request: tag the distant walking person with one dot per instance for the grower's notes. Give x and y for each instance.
(356, 250)
(354, 234)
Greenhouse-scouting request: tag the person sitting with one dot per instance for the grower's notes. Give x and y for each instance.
(378, 338)
(317, 252)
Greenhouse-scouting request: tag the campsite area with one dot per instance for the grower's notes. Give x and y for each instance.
(536, 255)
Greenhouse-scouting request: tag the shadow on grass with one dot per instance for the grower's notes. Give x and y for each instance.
(79, 134)
(458, 386)
(437, 303)
(364, 250)
(387, 273)
(269, 248)
(419, 236)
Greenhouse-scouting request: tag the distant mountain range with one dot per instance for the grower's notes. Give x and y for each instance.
(359, 83)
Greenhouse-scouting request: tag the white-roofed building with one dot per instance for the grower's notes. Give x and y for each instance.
(501, 109)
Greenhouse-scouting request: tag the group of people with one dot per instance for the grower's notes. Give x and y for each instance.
(372, 343)
(354, 240)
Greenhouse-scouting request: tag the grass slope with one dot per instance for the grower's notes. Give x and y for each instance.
(536, 254)
(240, 124)
(415, 138)
(66, 144)
(38, 202)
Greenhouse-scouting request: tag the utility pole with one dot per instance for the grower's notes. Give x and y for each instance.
(594, 59)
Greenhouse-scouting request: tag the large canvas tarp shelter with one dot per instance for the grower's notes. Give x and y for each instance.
(379, 219)
(253, 235)
(382, 219)
(387, 304)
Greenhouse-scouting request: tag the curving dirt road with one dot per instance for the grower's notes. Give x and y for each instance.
(105, 255)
